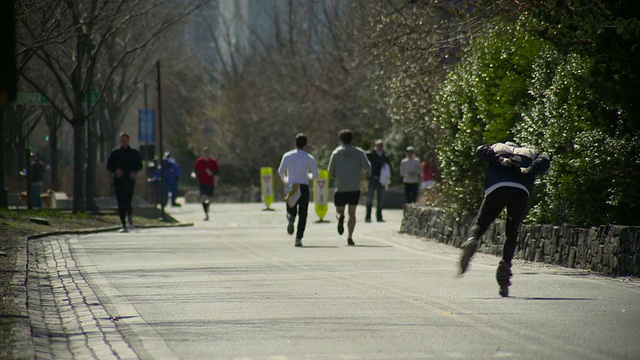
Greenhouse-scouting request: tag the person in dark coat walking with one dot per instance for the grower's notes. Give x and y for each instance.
(377, 158)
(508, 183)
(124, 162)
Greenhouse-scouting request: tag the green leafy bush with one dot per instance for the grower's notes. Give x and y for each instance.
(480, 102)
(531, 91)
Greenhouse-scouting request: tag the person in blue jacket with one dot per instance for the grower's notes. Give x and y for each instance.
(508, 183)
(171, 173)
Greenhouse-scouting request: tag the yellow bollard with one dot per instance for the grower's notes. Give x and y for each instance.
(321, 194)
(266, 186)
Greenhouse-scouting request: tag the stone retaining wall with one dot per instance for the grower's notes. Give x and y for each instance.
(610, 249)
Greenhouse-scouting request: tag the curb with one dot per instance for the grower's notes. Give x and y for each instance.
(99, 230)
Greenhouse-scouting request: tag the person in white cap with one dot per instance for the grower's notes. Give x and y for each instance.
(410, 172)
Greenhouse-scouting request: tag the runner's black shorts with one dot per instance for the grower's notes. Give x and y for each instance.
(343, 198)
(206, 189)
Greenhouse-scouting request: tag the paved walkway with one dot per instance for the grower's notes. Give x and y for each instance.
(236, 288)
(66, 318)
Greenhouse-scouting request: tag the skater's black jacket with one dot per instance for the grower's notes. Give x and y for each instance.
(520, 170)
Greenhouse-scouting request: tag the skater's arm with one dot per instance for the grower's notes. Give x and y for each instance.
(487, 153)
(539, 166)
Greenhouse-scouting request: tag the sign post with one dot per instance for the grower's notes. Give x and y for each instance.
(146, 122)
(266, 186)
(321, 195)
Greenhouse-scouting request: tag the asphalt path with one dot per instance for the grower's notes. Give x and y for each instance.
(235, 287)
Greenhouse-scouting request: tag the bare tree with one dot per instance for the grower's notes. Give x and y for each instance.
(22, 121)
(69, 38)
(294, 71)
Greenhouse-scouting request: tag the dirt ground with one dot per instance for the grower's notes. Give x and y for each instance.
(15, 226)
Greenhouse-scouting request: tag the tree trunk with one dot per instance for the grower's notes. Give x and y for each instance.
(92, 148)
(79, 134)
(53, 148)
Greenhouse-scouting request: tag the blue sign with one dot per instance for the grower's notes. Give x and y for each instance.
(146, 126)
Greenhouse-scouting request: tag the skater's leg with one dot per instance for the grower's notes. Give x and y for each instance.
(490, 208)
(489, 211)
(517, 206)
(503, 276)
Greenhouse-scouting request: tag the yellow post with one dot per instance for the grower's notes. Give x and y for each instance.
(266, 186)
(321, 194)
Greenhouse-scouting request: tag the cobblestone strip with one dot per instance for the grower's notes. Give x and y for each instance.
(67, 318)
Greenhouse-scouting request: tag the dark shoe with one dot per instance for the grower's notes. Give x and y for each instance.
(468, 249)
(380, 220)
(341, 225)
(290, 225)
(350, 242)
(298, 242)
(124, 230)
(176, 205)
(367, 220)
(503, 276)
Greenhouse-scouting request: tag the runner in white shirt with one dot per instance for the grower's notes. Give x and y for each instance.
(296, 169)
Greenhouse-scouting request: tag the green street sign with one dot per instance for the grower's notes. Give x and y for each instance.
(30, 99)
(39, 99)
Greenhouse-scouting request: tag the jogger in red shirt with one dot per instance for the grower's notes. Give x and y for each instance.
(205, 169)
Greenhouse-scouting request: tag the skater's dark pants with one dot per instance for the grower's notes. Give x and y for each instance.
(516, 202)
(124, 196)
(300, 209)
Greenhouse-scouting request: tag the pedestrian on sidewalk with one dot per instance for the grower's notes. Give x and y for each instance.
(380, 165)
(346, 166)
(205, 169)
(170, 171)
(296, 168)
(36, 172)
(429, 172)
(124, 162)
(508, 183)
(410, 172)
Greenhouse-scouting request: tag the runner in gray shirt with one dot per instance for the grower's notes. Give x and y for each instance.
(346, 167)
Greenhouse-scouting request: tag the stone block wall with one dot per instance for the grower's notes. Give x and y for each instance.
(609, 249)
